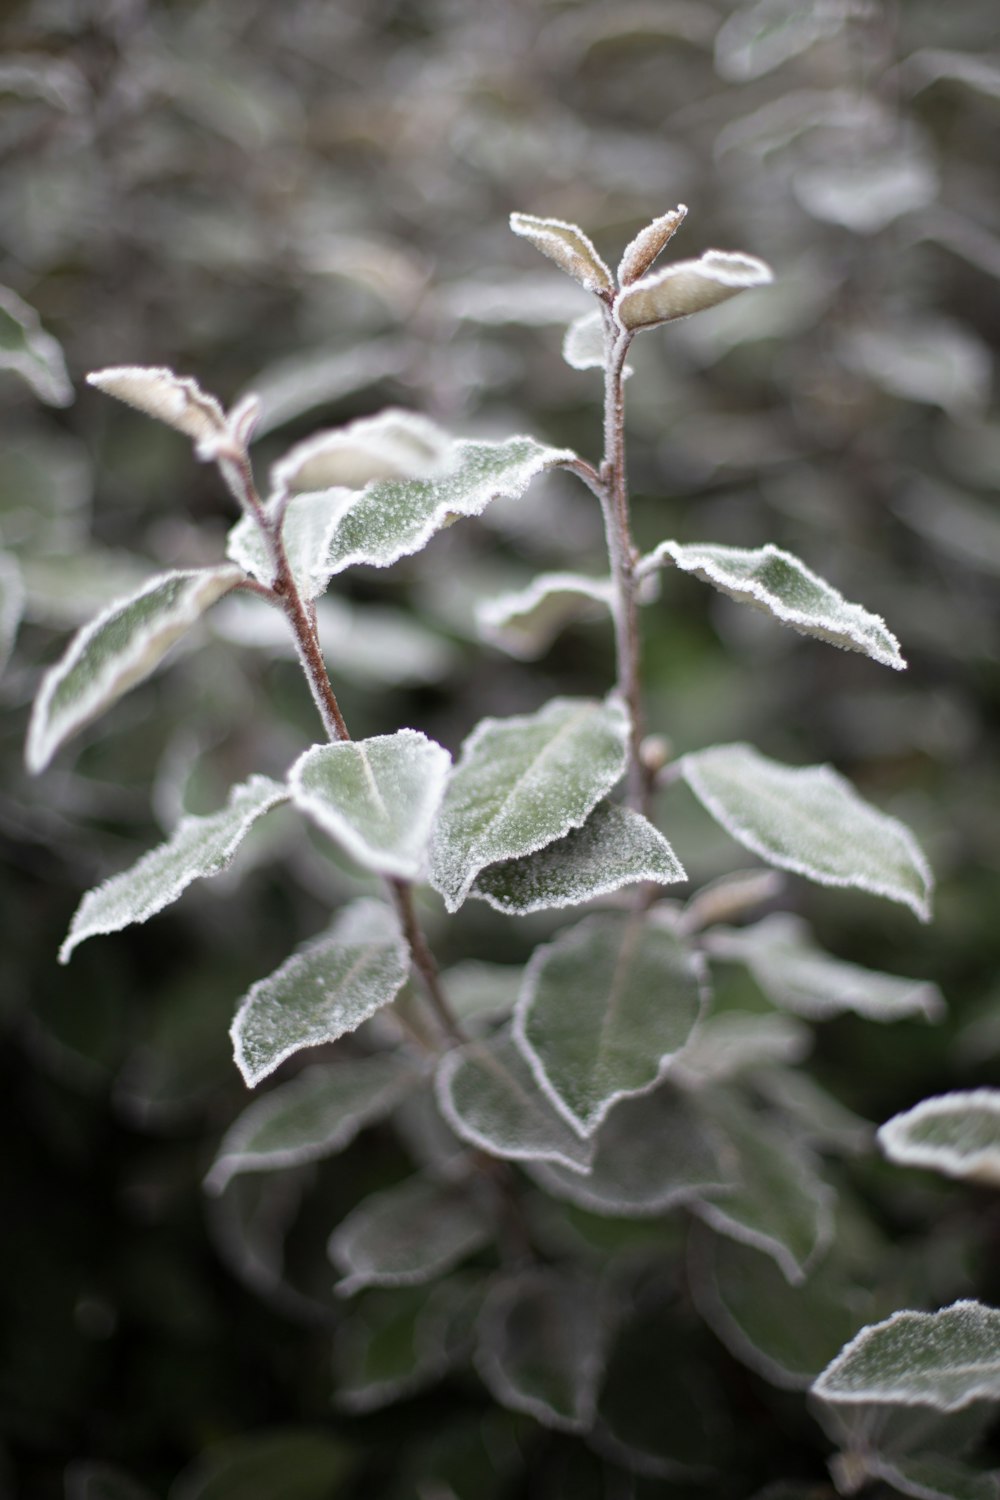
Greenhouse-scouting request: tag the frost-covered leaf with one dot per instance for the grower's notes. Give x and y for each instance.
(377, 798)
(568, 246)
(782, 586)
(525, 621)
(522, 783)
(308, 522)
(176, 400)
(945, 1360)
(393, 1343)
(323, 992)
(800, 977)
(640, 253)
(489, 1097)
(540, 1347)
(817, 1118)
(408, 1234)
(481, 991)
(604, 1009)
(688, 286)
(11, 605)
(28, 351)
(928, 1476)
(758, 38)
(120, 648)
(614, 848)
(316, 1114)
(957, 1134)
(585, 342)
(866, 194)
(199, 847)
(810, 820)
(394, 444)
(737, 1041)
(933, 360)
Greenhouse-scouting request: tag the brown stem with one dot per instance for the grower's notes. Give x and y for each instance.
(423, 959)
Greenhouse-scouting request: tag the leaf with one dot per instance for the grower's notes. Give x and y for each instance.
(568, 246)
(522, 783)
(809, 820)
(525, 622)
(614, 848)
(540, 1347)
(120, 648)
(487, 1094)
(394, 444)
(870, 192)
(294, 1464)
(199, 847)
(323, 992)
(932, 360)
(758, 38)
(945, 1360)
(957, 1134)
(318, 1113)
(478, 991)
(28, 351)
(604, 1009)
(87, 1481)
(817, 1118)
(11, 605)
(377, 798)
(927, 1476)
(408, 1234)
(688, 286)
(642, 251)
(584, 344)
(779, 584)
(798, 976)
(176, 400)
(737, 1041)
(393, 1343)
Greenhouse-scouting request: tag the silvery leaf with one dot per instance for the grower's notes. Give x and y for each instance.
(568, 246)
(394, 444)
(945, 1360)
(640, 253)
(174, 399)
(28, 351)
(688, 286)
(525, 621)
(957, 1134)
(408, 1234)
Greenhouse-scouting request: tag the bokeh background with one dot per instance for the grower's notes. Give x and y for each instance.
(310, 199)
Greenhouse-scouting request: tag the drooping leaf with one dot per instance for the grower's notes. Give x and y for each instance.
(198, 848)
(957, 1134)
(489, 1097)
(174, 399)
(738, 1041)
(522, 783)
(810, 820)
(323, 992)
(688, 286)
(640, 253)
(945, 1360)
(408, 1234)
(928, 1476)
(29, 351)
(800, 977)
(394, 444)
(568, 246)
(614, 848)
(297, 1463)
(120, 648)
(11, 605)
(523, 623)
(395, 1342)
(779, 584)
(540, 1347)
(604, 1009)
(316, 1114)
(377, 798)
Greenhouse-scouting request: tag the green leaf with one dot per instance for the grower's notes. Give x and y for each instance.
(408, 1234)
(568, 246)
(810, 820)
(489, 1097)
(614, 848)
(738, 1041)
(800, 977)
(316, 1114)
(526, 621)
(377, 798)
(957, 1134)
(480, 991)
(604, 1009)
(394, 444)
(945, 1360)
(28, 351)
(120, 648)
(522, 783)
(927, 1476)
(293, 1464)
(198, 848)
(779, 584)
(818, 1119)
(11, 605)
(540, 1346)
(323, 992)
(688, 286)
(393, 1343)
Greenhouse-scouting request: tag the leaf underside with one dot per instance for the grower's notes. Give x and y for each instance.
(945, 1360)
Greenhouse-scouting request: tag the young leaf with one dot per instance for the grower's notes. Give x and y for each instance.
(11, 605)
(120, 648)
(615, 847)
(945, 1360)
(540, 1347)
(198, 848)
(525, 622)
(487, 1094)
(316, 1114)
(800, 977)
(569, 247)
(392, 445)
(408, 1234)
(648, 243)
(323, 992)
(957, 1134)
(584, 344)
(604, 1009)
(521, 784)
(688, 286)
(176, 400)
(810, 820)
(780, 585)
(28, 351)
(393, 1343)
(377, 798)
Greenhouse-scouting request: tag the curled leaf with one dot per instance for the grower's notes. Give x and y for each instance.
(393, 445)
(569, 247)
(957, 1134)
(174, 399)
(643, 250)
(688, 286)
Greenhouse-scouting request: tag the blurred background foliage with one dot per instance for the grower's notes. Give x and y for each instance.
(310, 200)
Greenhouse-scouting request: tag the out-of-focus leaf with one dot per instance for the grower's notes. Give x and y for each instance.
(526, 621)
(568, 246)
(292, 387)
(585, 342)
(933, 360)
(737, 1041)
(408, 1234)
(393, 1343)
(688, 286)
(819, 1120)
(867, 195)
(28, 351)
(11, 605)
(758, 38)
(945, 1360)
(957, 1134)
(86, 1481)
(482, 991)
(810, 820)
(392, 445)
(926, 1476)
(292, 1464)
(174, 399)
(932, 64)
